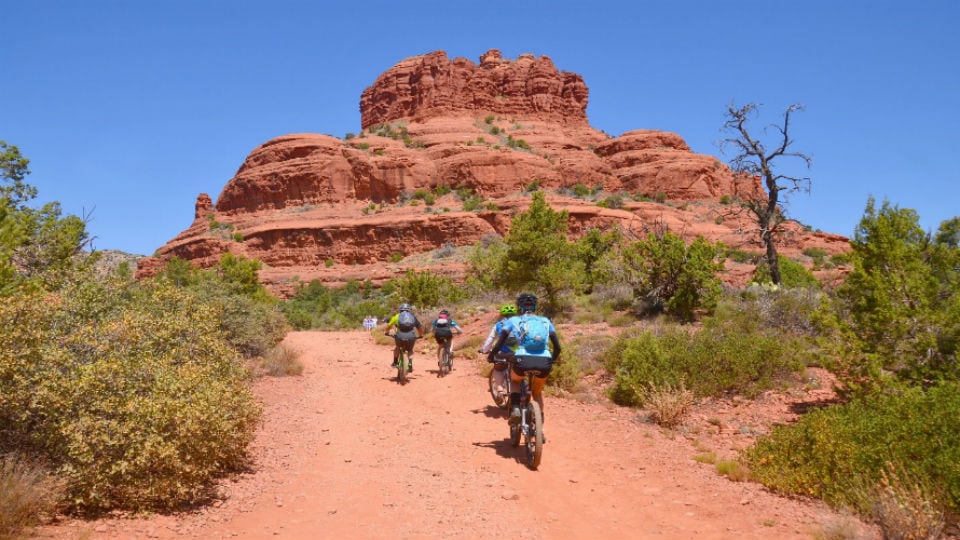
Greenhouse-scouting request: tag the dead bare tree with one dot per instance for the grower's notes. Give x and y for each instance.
(754, 159)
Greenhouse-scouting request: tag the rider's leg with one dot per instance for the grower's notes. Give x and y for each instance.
(396, 352)
(538, 384)
(409, 346)
(515, 378)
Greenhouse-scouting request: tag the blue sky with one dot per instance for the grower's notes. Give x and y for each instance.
(130, 108)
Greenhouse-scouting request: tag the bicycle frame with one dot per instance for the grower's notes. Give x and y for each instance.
(531, 419)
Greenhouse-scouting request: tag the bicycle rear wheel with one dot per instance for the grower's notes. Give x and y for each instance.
(444, 363)
(534, 437)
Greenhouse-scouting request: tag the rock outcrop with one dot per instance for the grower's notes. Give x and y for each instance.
(448, 152)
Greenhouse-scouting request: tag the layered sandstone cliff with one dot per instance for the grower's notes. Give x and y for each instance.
(442, 135)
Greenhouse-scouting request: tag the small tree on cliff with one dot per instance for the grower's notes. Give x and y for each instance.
(754, 159)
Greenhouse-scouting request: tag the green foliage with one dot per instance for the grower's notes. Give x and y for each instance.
(792, 273)
(538, 256)
(472, 203)
(667, 275)
(395, 257)
(38, 247)
(591, 249)
(897, 315)
(517, 143)
(248, 315)
(426, 289)
(316, 306)
(128, 390)
(581, 190)
(613, 201)
(722, 358)
(827, 450)
(13, 169)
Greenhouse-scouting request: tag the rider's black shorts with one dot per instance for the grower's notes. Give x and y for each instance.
(443, 340)
(542, 364)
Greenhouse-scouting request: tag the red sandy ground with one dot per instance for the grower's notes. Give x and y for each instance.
(345, 452)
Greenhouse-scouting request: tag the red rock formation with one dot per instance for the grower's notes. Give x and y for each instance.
(312, 205)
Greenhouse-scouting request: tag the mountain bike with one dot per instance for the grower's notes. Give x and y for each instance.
(404, 361)
(530, 428)
(445, 364)
(500, 397)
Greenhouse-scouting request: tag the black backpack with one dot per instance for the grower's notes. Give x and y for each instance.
(443, 330)
(406, 322)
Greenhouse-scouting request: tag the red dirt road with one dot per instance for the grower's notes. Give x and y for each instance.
(345, 452)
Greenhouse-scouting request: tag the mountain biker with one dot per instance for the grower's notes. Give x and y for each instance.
(526, 353)
(443, 328)
(408, 330)
(500, 368)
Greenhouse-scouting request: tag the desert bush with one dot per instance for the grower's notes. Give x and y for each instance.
(818, 456)
(427, 289)
(580, 356)
(715, 361)
(668, 404)
(130, 393)
(666, 274)
(904, 508)
(314, 305)
(28, 494)
(282, 361)
(734, 470)
(792, 273)
(897, 314)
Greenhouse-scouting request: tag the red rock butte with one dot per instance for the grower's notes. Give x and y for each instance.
(448, 151)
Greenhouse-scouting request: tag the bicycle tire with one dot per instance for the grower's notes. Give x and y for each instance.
(515, 432)
(534, 439)
(444, 364)
(402, 369)
(501, 400)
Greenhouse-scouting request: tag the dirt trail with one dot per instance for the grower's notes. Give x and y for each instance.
(345, 452)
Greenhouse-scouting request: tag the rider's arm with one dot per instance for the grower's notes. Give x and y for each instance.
(390, 324)
(489, 341)
(501, 338)
(555, 341)
(456, 327)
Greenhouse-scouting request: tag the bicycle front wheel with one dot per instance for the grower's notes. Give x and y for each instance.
(500, 398)
(402, 369)
(534, 437)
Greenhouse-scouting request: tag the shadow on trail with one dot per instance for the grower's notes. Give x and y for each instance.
(504, 449)
(491, 411)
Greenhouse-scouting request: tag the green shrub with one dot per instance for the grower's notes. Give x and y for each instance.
(395, 257)
(715, 361)
(613, 201)
(472, 203)
(131, 394)
(827, 449)
(314, 305)
(426, 289)
(665, 274)
(282, 361)
(792, 273)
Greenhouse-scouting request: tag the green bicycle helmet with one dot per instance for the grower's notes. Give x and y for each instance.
(508, 310)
